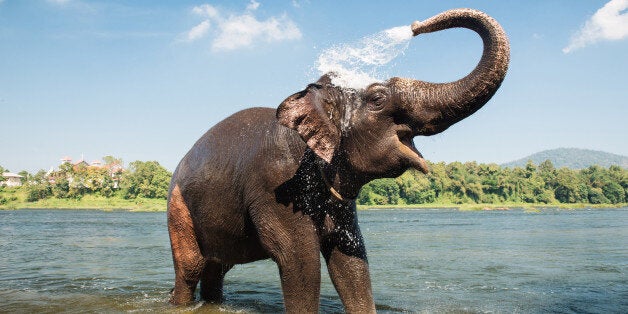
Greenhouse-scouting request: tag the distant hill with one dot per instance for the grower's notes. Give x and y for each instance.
(574, 158)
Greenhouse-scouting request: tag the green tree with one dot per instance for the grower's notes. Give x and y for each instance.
(368, 197)
(569, 187)
(387, 188)
(2, 179)
(489, 178)
(440, 181)
(110, 160)
(533, 187)
(115, 166)
(489, 183)
(41, 177)
(596, 196)
(77, 182)
(620, 176)
(146, 179)
(25, 176)
(60, 181)
(415, 188)
(547, 171)
(38, 192)
(364, 197)
(93, 180)
(473, 182)
(61, 188)
(614, 192)
(457, 191)
(608, 181)
(507, 183)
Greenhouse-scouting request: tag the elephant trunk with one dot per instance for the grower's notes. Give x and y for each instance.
(436, 106)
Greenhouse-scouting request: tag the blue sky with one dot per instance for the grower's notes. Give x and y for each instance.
(143, 80)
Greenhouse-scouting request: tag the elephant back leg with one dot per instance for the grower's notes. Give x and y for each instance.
(186, 254)
(212, 281)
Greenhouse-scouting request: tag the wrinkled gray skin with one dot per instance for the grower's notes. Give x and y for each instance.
(281, 184)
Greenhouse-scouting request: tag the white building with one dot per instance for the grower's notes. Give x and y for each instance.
(11, 179)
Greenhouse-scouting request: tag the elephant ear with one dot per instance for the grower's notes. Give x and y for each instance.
(311, 116)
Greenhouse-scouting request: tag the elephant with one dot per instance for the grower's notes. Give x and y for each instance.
(281, 183)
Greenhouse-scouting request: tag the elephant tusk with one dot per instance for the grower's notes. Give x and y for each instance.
(330, 187)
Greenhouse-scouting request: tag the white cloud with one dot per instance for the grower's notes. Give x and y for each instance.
(253, 5)
(297, 3)
(240, 31)
(59, 2)
(608, 23)
(198, 31)
(205, 10)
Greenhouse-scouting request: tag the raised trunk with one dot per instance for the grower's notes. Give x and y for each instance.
(436, 106)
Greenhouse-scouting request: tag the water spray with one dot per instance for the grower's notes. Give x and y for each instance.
(357, 65)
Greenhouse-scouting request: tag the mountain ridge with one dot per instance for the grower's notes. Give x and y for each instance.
(574, 158)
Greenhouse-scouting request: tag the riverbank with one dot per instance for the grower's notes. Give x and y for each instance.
(11, 199)
(15, 201)
(490, 207)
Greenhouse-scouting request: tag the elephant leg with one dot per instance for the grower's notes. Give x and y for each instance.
(212, 281)
(300, 283)
(350, 276)
(292, 242)
(186, 254)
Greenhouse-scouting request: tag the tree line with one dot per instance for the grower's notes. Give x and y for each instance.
(145, 179)
(447, 183)
(473, 183)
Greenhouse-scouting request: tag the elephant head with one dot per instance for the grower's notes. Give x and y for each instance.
(370, 131)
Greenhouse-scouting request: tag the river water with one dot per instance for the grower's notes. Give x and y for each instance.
(429, 261)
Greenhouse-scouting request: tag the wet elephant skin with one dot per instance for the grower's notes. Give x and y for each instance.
(281, 183)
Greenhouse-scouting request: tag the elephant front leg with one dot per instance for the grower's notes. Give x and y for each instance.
(292, 242)
(300, 282)
(349, 272)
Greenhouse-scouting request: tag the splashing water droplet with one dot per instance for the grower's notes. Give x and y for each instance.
(356, 65)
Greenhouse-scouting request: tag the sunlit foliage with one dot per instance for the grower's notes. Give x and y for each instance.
(473, 183)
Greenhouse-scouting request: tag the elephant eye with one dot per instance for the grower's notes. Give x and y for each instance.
(376, 101)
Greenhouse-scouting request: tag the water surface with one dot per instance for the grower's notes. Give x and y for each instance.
(421, 261)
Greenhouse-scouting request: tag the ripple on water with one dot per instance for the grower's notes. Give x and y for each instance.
(422, 261)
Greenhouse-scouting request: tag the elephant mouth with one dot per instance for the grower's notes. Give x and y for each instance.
(407, 148)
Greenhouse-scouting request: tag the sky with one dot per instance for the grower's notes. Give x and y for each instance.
(143, 80)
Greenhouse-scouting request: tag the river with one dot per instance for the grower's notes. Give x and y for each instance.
(430, 261)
